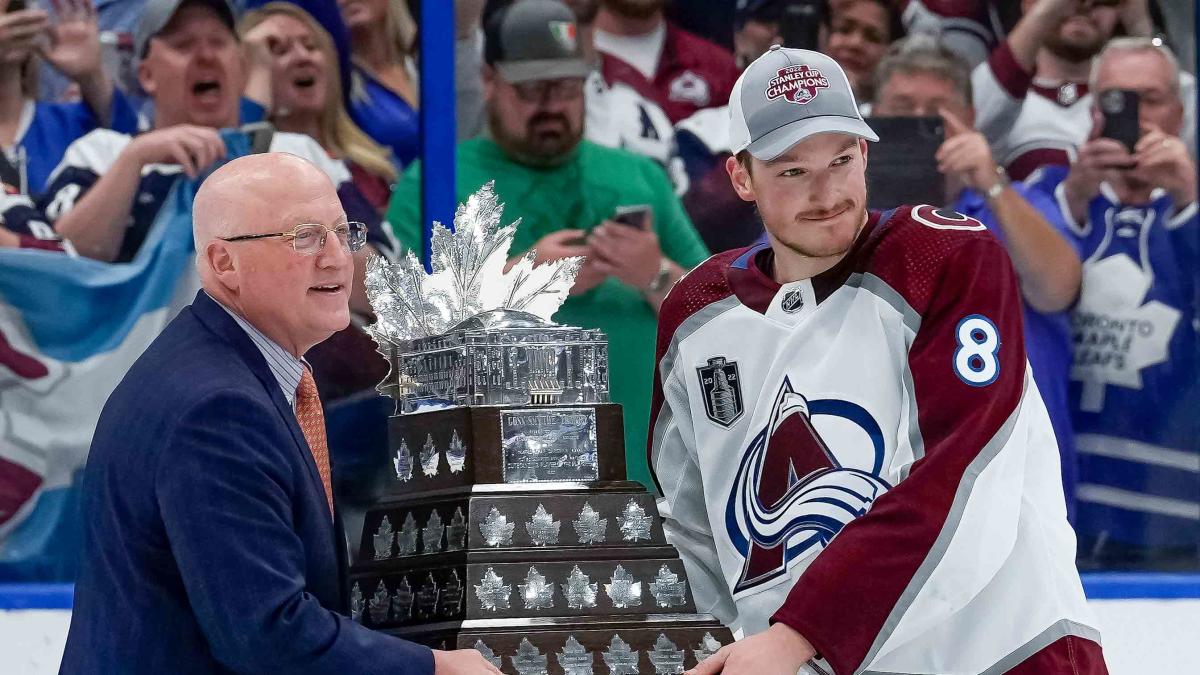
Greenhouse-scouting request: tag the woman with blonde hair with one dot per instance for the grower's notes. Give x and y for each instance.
(294, 75)
(383, 86)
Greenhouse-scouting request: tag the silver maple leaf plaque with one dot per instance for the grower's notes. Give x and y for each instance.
(488, 654)
(542, 528)
(406, 541)
(536, 593)
(456, 533)
(529, 660)
(623, 589)
(589, 526)
(383, 539)
(579, 590)
(427, 597)
(402, 603)
(492, 592)
(456, 453)
(377, 606)
(356, 603)
(403, 463)
(707, 647)
(575, 659)
(620, 658)
(431, 534)
(634, 522)
(429, 457)
(496, 529)
(667, 589)
(452, 595)
(666, 659)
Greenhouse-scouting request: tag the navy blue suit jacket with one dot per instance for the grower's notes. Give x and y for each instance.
(208, 545)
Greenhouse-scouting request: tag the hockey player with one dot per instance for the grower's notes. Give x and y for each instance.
(852, 455)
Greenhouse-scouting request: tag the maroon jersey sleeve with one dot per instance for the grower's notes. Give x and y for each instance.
(968, 368)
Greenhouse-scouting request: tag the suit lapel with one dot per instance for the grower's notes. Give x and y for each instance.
(216, 319)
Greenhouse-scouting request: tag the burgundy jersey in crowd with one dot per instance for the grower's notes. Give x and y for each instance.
(865, 457)
(693, 74)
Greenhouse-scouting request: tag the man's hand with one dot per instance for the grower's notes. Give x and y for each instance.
(461, 662)
(259, 47)
(20, 32)
(966, 153)
(779, 650)
(1099, 159)
(568, 244)
(1163, 161)
(630, 254)
(192, 147)
(74, 45)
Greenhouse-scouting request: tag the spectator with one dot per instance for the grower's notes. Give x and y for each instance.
(35, 134)
(680, 71)
(757, 26)
(383, 88)
(108, 190)
(963, 27)
(294, 75)
(1135, 386)
(859, 34)
(565, 190)
(1032, 92)
(919, 79)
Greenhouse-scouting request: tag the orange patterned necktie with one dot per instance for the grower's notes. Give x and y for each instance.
(312, 424)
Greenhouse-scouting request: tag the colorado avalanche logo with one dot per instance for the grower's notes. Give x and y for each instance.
(798, 84)
(792, 492)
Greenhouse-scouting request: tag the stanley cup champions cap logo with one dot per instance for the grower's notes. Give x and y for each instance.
(798, 84)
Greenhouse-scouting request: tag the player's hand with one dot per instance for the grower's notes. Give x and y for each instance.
(966, 153)
(20, 32)
(1163, 161)
(779, 650)
(462, 662)
(631, 254)
(193, 148)
(74, 45)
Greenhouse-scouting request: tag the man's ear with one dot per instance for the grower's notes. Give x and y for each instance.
(863, 146)
(222, 263)
(145, 75)
(739, 175)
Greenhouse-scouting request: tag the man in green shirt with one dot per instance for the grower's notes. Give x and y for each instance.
(566, 191)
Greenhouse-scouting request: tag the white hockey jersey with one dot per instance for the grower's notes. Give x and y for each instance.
(864, 456)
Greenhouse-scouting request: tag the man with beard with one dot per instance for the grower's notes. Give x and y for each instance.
(566, 192)
(107, 192)
(852, 456)
(680, 71)
(1032, 93)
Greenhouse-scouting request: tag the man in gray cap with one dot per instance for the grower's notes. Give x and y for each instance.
(852, 457)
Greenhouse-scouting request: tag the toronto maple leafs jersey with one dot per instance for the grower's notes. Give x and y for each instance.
(1135, 385)
(864, 456)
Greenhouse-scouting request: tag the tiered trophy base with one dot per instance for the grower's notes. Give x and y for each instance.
(654, 643)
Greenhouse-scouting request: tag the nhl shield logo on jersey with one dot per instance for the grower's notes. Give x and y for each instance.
(794, 491)
(793, 301)
(722, 389)
(798, 84)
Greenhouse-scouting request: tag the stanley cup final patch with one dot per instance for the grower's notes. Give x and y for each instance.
(798, 84)
(722, 390)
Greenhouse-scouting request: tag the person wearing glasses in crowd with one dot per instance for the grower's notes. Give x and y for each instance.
(210, 538)
(109, 188)
(566, 192)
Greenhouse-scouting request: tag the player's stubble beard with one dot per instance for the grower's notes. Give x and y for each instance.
(860, 215)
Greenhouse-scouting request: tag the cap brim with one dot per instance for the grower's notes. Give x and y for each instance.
(516, 72)
(779, 140)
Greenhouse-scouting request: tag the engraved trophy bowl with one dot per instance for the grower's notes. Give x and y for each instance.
(498, 517)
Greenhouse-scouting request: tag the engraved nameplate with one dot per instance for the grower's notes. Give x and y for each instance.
(549, 444)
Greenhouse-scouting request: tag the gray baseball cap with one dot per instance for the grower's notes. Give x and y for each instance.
(535, 40)
(787, 95)
(156, 14)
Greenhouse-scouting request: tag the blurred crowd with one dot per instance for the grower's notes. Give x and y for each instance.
(1068, 127)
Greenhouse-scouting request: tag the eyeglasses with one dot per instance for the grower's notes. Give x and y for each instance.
(550, 90)
(309, 238)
